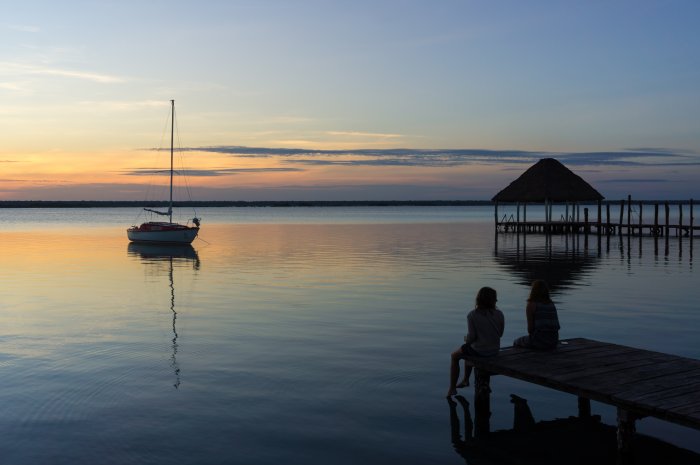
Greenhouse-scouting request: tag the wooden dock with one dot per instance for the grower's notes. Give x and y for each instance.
(640, 383)
(630, 222)
(580, 227)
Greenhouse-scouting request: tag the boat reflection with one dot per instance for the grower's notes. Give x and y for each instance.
(164, 253)
(163, 258)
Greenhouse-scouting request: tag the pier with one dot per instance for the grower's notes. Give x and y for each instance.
(663, 219)
(548, 182)
(639, 383)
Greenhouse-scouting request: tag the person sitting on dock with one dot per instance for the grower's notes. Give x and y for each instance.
(542, 320)
(485, 328)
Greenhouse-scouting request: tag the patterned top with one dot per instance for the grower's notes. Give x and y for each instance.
(546, 318)
(545, 334)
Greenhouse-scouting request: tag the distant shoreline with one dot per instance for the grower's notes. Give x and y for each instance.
(241, 203)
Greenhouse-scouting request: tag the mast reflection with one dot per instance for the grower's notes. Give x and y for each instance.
(162, 258)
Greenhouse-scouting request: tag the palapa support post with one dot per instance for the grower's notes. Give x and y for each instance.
(607, 219)
(691, 217)
(667, 208)
(578, 212)
(495, 213)
(622, 216)
(629, 215)
(584, 407)
(680, 219)
(482, 402)
(586, 227)
(600, 220)
(625, 436)
(640, 218)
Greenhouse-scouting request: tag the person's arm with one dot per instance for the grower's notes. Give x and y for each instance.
(530, 312)
(471, 330)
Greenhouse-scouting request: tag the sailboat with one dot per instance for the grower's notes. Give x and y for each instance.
(165, 232)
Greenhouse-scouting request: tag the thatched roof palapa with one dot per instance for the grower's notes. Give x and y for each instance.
(548, 180)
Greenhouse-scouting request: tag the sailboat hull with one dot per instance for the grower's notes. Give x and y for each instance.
(162, 233)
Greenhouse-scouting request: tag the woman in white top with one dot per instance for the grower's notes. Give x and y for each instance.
(485, 328)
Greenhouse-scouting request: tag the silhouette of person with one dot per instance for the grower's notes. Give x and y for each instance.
(485, 325)
(542, 320)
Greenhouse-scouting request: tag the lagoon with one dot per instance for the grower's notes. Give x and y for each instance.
(309, 335)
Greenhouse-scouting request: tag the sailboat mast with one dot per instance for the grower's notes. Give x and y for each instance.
(172, 140)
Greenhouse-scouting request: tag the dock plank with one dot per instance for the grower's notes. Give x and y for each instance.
(644, 382)
(662, 386)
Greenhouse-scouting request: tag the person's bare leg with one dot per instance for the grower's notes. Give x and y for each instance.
(467, 374)
(454, 372)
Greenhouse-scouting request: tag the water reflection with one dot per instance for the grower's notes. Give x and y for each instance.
(154, 253)
(560, 261)
(565, 260)
(155, 256)
(575, 440)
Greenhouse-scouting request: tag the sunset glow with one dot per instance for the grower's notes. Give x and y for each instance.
(471, 93)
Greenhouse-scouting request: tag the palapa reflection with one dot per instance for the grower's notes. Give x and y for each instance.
(561, 265)
(162, 258)
(563, 260)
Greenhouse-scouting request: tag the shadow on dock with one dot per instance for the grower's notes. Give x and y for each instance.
(571, 441)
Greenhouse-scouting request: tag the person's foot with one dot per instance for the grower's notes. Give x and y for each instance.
(451, 392)
(463, 384)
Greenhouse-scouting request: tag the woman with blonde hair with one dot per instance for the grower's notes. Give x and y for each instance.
(485, 325)
(542, 320)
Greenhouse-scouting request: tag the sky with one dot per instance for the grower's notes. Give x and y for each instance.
(347, 100)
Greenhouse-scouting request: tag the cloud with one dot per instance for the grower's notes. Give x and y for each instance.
(460, 157)
(364, 134)
(208, 173)
(616, 181)
(23, 28)
(13, 86)
(20, 68)
(115, 105)
(49, 181)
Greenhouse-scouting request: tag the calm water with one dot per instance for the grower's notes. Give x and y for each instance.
(305, 335)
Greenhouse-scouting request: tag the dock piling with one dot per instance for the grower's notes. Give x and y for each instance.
(622, 216)
(584, 407)
(655, 232)
(571, 222)
(625, 436)
(629, 215)
(482, 402)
